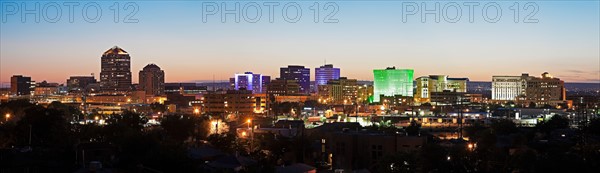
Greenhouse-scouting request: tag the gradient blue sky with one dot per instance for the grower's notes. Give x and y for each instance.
(369, 35)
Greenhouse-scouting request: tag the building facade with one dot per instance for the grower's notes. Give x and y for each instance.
(392, 81)
(527, 89)
(21, 85)
(544, 90)
(427, 85)
(184, 88)
(339, 91)
(326, 73)
(80, 82)
(115, 72)
(234, 102)
(508, 87)
(282, 87)
(257, 83)
(152, 80)
(299, 74)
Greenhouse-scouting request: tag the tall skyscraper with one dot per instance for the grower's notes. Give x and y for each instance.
(250, 81)
(438, 83)
(325, 73)
(152, 80)
(392, 81)
(21, 85)
(299, 74)
(115, 73)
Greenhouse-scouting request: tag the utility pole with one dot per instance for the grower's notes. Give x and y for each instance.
(460, 117)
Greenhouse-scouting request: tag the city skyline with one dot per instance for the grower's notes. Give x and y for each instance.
(189, 53)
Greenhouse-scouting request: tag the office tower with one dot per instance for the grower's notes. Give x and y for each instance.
(21, 85)
(45, 89)
(365, 93)
(241, 102)
(325, 73)
(339, 91)
(392, 81)
(266, 80)
(544, 90)
(527, 89)
(152, 80)
(299, 74)
(250, 81)
(508, 87)
(282, 87)
(80, 82)
(426, 85)
(115, 74)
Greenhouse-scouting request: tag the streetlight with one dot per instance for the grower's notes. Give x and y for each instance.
(249, 121)
(196, 111)
(7, 116)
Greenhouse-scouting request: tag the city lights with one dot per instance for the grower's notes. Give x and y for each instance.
(365, 94)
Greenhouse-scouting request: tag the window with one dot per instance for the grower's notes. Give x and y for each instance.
(376, 152)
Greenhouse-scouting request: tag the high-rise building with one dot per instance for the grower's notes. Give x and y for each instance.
(21, 85)
(152, 80)
(115, 74)
(237, 102)
(339, 91)
(508, 87)
(392, 81)
(44, 89)
(544, 90)
(282, 87)
(427, 85)
(257, 83)
(80, 82)
(299, 74)
(365, 93)
(527, 89)
(325, 73)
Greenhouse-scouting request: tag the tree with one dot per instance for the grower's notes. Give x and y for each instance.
(70, 112)
(397, 162)
(556, 122)
(181, 127)
(434, 158)
(593, 127)
(414, 128)
(532, 105)
(48, 127)
(504, 127)
(128, 119)
(157, 107)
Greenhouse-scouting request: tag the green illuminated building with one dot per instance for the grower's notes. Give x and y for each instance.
(392, 81)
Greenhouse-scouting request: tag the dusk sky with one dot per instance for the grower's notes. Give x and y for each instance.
(369, 35)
